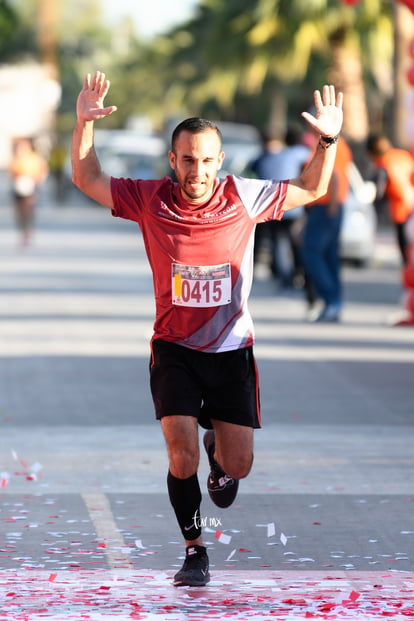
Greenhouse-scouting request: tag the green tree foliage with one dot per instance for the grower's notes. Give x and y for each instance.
(16, 39)
(246, 60)
(253, 50)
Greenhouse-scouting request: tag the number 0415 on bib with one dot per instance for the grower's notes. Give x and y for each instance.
(201, 286)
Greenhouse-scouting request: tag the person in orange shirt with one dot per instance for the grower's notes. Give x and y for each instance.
(320, 245)
(395, 182)
(27, 170)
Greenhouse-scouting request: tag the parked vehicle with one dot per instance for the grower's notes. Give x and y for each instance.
(359, 225)
(242, 144)
(131, 153)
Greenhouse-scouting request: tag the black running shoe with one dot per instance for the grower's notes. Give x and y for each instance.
(194, 571)
(221, 488)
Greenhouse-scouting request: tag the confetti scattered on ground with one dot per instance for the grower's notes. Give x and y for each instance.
(264, 595)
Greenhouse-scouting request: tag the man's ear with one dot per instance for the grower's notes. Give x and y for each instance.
(220, 160)
(171, 157)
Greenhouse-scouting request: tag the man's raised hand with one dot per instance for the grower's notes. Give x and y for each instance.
(329, 116)
(90, 106)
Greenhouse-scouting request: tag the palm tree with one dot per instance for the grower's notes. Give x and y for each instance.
(253, 46)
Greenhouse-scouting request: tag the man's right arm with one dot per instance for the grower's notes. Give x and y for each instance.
(87, 174)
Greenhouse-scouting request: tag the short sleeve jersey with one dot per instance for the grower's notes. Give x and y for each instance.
(201, 256)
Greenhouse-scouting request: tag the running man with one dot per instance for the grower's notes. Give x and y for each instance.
(198, 234)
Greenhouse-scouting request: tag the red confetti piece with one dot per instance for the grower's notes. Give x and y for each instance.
(52, 577)
(327, 607)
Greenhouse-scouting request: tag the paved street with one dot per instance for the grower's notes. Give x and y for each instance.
(323, 527)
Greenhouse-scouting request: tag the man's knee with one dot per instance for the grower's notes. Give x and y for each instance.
(237, 467)
(181, 438)
(234, 449)
(183, 463)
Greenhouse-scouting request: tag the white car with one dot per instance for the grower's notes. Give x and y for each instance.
(359, 224)
(242, 144)
(131, 153)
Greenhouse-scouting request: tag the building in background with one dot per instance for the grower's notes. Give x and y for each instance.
(29, 97)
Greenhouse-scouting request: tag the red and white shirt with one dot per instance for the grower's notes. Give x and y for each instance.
(201, 256)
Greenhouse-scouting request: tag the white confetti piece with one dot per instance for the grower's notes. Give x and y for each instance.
(138, 544)
(230, 556)
(283, 539)
(271, 529)
(126, 550)
(222, 537)
(36, 467)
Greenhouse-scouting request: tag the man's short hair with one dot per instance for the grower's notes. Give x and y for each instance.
(194, 125)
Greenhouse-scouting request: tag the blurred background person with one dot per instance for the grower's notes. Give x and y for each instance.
(320, 246)
(265, 167)
(27, 170)
(283, 160)
(395, 183)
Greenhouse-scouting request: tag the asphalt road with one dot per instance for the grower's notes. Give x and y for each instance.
(82, 459)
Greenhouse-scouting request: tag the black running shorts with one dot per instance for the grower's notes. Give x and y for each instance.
(222, 386)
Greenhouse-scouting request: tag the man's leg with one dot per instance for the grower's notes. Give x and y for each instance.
(230, 452)
(181, 436)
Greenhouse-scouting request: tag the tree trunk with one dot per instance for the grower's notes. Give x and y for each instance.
(346, 74)
(278, 113)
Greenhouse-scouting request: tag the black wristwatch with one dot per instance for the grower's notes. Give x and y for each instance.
(326, 141)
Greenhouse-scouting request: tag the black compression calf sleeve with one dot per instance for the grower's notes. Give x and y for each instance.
(185, 497)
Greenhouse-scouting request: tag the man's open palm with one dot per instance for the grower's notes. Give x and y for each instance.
(90, 106)
(329, 116)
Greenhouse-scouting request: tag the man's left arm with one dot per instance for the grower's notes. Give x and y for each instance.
(313, 182)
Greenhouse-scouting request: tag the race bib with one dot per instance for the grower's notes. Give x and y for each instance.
(201, 286)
